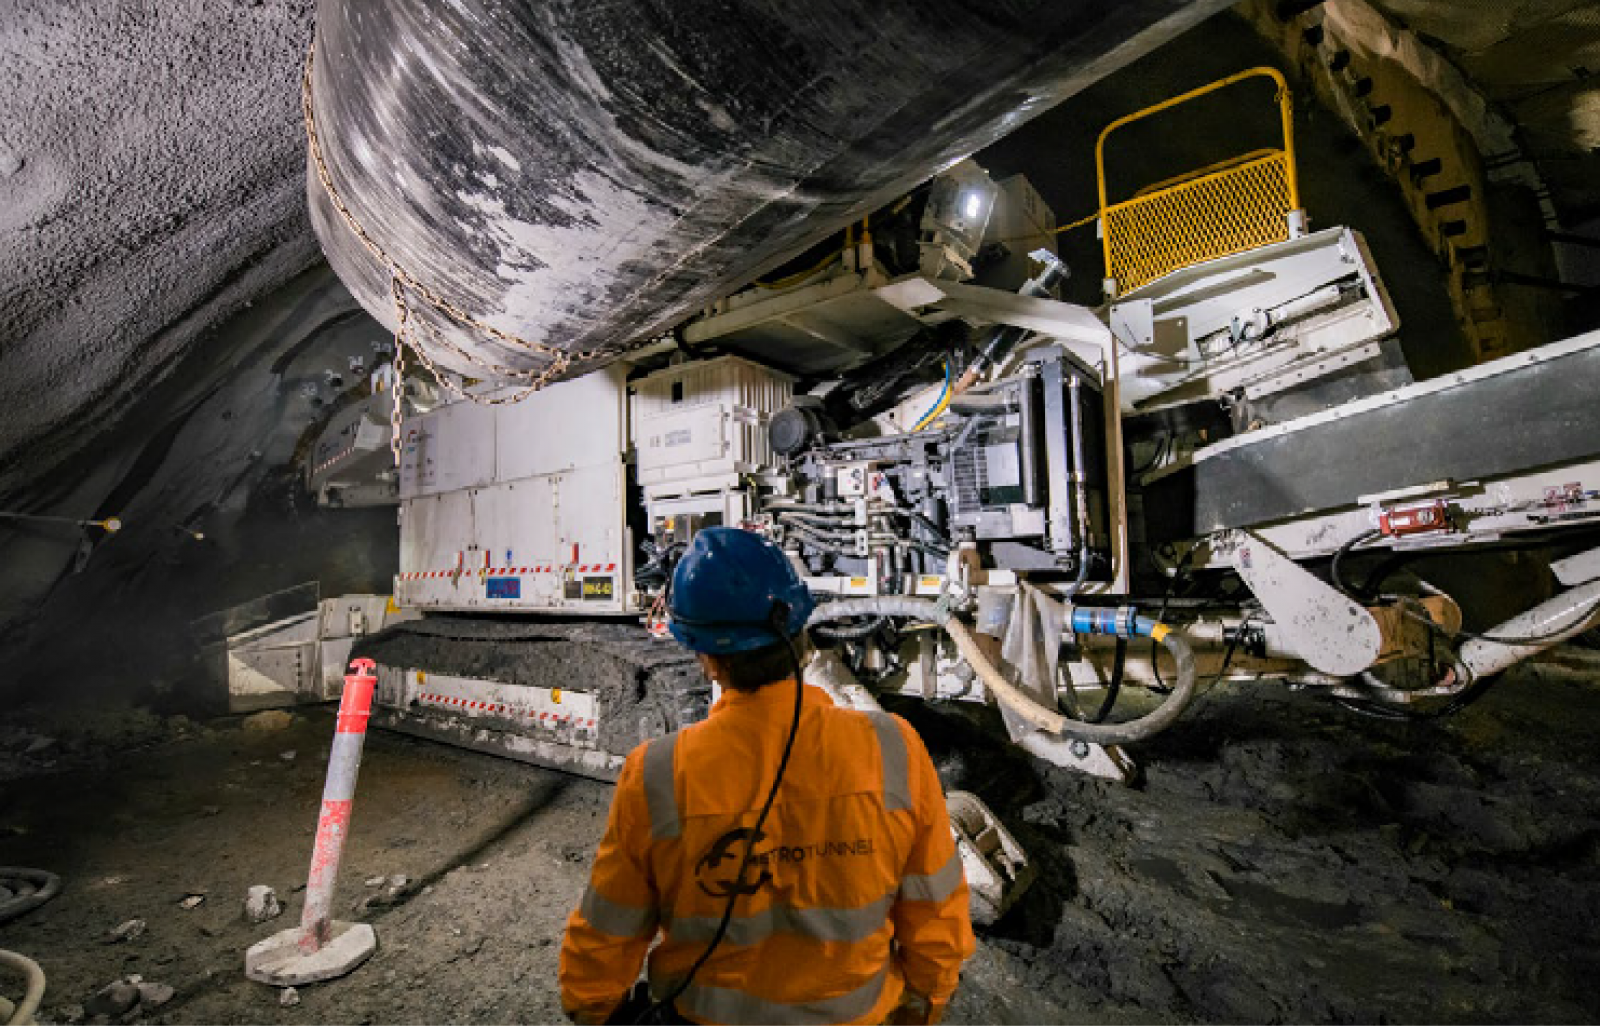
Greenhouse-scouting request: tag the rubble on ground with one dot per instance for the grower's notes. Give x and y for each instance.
(261, 904)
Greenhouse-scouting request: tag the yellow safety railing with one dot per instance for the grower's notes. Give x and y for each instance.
(1224, 208)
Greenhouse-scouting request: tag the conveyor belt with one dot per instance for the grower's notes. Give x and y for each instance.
(1531, 410)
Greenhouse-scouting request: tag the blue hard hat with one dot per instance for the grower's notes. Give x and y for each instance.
(732, 590)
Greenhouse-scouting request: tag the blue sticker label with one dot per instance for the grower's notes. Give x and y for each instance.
(503, 588)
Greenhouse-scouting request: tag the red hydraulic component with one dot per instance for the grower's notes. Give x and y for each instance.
(1403, 521)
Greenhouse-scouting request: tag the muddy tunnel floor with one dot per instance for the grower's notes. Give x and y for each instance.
(1283, 861)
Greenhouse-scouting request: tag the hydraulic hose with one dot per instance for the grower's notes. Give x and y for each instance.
(28, 887)
(1024, 706)
(1080, 487)
(830, 633)
(26, 1007)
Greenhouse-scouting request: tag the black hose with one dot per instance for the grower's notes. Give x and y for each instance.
(1227, 654)
(1162, 447)
(1505, 640)
(1161, 688)
(1386, 712)
(1344, 551)
(822, 522)
(660, 566)
(1084, 556)
(812, 536)
(1080, 489)
(1118, 663)
(848, 633)
(931, 528)
(30, 888)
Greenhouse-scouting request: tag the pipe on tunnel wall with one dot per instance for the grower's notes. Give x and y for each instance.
(582, 175)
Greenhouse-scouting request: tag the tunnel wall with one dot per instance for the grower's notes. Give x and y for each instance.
(91, 615)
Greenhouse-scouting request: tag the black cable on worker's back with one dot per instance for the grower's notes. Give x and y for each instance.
(659, 1011)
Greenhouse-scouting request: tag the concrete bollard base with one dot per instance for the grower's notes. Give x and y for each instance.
(277, 960)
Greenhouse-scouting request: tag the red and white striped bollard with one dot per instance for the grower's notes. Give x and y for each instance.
(322, 948)
(338, 799)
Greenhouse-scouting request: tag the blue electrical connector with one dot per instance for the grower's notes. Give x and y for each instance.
(1123, 622)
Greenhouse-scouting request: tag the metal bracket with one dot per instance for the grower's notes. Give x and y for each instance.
(1330, 631)
(997, 869)
(1109, 762)
(1578, 569)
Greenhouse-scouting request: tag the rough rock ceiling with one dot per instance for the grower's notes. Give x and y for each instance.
(152, 180)
(151, 184)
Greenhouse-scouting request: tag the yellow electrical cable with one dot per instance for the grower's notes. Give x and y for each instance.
(799, 276)
(1068, 227)
(938, 409)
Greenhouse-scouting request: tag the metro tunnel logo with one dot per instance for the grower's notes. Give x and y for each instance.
(717, 872)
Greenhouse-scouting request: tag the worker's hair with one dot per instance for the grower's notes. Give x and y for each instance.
(749, 671)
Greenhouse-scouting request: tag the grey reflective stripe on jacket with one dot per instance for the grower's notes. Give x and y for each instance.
(934, 888)
(896, 762)
(617, 919)
(661, 787)
(730, 1006)
(660, 781)
(824, 924)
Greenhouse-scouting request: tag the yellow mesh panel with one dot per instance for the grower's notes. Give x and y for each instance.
(1230, 211)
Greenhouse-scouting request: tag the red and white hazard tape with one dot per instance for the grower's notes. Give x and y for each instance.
(501, 708)
(336, 458)
(537, 569)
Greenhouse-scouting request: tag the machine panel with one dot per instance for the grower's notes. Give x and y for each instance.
(536, 521)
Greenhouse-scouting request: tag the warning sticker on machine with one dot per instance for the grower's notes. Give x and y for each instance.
(503, 588)
(598, 588)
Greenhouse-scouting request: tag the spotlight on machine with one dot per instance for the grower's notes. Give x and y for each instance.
(954, 220)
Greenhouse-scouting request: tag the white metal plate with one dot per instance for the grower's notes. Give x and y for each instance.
(1330, 631)
(579, 423)
(565, 715)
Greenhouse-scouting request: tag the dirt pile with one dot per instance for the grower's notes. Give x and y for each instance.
(1284, 861)
(1287, 861)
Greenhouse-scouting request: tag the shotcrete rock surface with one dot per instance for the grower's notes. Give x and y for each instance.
(152, 182)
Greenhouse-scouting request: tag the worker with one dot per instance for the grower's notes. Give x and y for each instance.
(845, 904)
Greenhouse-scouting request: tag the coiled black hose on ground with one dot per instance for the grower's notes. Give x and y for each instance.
(24, 888)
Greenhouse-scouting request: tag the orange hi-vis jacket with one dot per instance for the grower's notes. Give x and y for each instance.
(854, 893)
